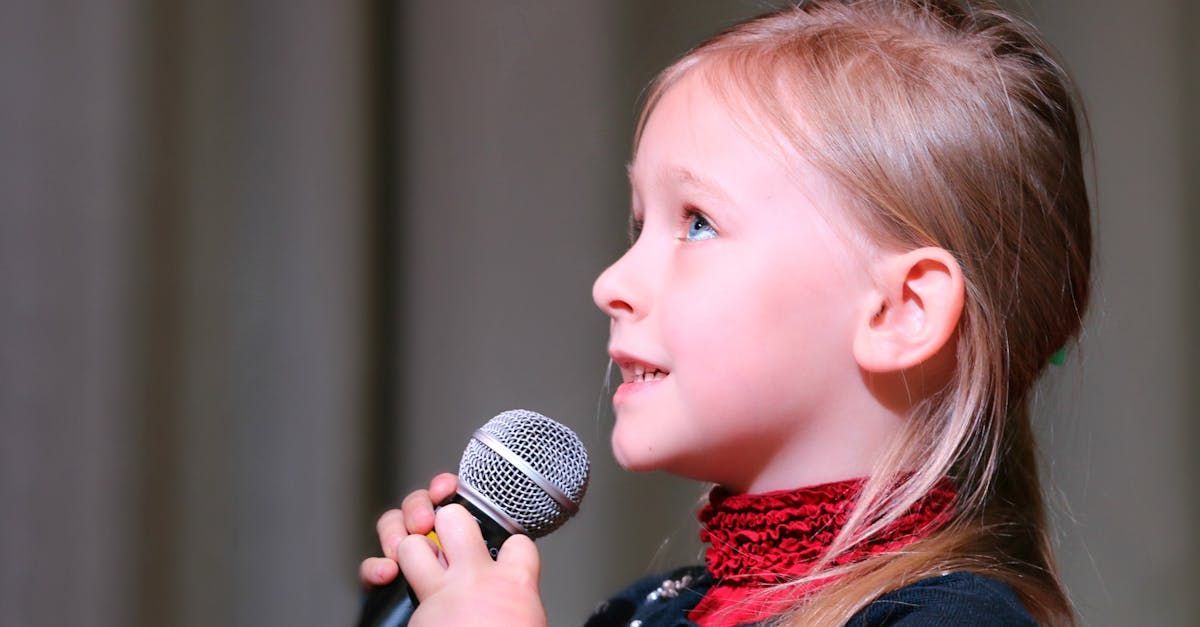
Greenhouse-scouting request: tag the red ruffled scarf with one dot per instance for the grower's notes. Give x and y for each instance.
(758, 540)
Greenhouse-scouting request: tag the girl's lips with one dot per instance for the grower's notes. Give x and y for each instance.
(632, 389)
(638, 376)
(634, 369)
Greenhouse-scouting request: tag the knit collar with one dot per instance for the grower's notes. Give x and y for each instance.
(757, 540)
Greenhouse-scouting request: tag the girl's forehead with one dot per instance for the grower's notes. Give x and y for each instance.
(687, 136)
(680, 175)
(694, 138)
(702, 113)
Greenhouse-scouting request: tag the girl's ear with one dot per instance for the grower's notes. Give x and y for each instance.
(913, 313)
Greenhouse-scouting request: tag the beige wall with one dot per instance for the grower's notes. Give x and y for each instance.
(1119, 426)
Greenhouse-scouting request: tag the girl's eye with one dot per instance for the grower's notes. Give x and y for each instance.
(635, 229)
(698, 228)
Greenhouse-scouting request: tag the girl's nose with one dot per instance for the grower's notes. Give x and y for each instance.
(617, 293)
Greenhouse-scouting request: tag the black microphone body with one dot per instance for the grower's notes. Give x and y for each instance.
(393, 605)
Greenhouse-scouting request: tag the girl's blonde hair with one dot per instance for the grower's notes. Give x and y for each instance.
(945, 124)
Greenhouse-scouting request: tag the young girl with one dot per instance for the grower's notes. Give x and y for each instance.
(860, 231)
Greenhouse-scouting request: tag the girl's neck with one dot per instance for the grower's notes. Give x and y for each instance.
(842, 445)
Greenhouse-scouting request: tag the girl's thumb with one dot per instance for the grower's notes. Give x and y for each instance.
(519, 554)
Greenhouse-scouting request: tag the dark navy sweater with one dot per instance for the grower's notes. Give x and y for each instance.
(958, 598)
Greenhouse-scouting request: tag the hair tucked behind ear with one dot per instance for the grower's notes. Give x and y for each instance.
(944, 124)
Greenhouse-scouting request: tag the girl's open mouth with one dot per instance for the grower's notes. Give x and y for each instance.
(640, 373)
(636, 377)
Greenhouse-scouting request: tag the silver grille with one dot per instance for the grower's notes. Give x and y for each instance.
(527, 468)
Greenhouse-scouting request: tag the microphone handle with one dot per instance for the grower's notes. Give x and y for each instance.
(393, 605)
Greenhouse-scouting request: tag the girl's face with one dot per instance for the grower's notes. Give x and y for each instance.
(732, 313)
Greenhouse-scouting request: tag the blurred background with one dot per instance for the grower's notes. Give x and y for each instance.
(264, 266)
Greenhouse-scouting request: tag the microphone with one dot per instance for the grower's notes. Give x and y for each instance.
(520, 473)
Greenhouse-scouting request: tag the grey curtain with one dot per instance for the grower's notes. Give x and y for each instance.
(264, 266)
(186, 195)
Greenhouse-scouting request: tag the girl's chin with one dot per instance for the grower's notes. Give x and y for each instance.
(640, 455)
(624, 460)
(636, 457)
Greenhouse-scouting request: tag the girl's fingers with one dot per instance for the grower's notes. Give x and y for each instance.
(442, 486)
(461, 539)
(378, 571)
(415, 514)
(519, 555)
(390, 528)
(419, 563)
(418, 512)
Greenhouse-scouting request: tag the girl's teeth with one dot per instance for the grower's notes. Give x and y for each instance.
(653, 375)
(640, 374)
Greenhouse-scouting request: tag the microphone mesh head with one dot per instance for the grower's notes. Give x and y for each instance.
(550, 448)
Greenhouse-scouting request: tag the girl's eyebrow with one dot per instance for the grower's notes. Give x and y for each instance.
(680, 175)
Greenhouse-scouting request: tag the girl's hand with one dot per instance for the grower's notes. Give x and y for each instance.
(468, 588)
(415, 516)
